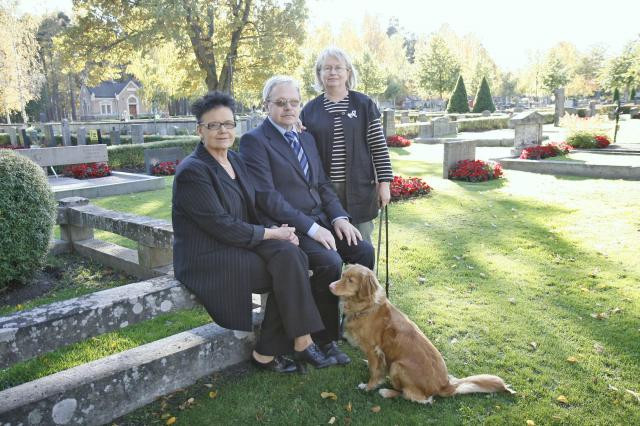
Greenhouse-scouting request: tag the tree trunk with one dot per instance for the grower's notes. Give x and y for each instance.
(72, 99)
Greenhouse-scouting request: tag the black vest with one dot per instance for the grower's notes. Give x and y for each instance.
(362, 198)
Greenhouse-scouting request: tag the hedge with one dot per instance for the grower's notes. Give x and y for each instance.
(407, 130)
(132, 155)
(480, 124)
(458, 101)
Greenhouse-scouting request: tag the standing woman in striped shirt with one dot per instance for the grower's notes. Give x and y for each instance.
(348, 132)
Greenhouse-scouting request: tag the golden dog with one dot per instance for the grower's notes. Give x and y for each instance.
(394, 345)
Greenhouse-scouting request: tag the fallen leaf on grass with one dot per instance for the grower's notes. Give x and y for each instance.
(422, 280)
(572, 359)
(348, 407)
(165, 416)
(209, 385)
(171, 420)
(586, 290)
(616, 310)
(213, 394)
(562, 399)
(329, 395)
(635, 394)
(332, 420)
(375, 408)
(533, 345)
(598, 348)
(613, 388)
(531, 423)
(482, 274)
(600, 315)
(512, 300)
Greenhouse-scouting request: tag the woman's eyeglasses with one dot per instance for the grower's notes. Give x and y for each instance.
(338, 69)
(216, 126)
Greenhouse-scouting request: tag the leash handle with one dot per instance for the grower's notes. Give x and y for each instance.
(383, 212)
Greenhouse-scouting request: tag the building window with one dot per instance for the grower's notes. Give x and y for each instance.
(105, 109)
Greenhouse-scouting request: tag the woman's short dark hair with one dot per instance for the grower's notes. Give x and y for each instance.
(212, 100)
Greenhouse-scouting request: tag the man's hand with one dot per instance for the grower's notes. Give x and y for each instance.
(384, 193)
(345, 230)
(325, 237)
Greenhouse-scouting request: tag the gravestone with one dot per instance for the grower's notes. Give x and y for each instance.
(592, 108)
(528, 131)
(99, 136)
(13, 136)
(137, 134)
(66, 133)
(26, 142)
(162, 130)
(115, 136)
(159, 155)
(518, 109)
(404, 118)
(455, 151)
(559, 111)
(175, 130)
(486, 113)
(442, 126)
(422, 117)
(49, 137)
(425, 131)
(389, 122)
(81, 135)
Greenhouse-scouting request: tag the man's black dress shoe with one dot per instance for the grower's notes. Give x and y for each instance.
(279, 364)
(314, 356)
(332, 349)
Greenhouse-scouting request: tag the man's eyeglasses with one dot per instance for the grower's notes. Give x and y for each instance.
(294, 103)
(216, 126)
(337, 69)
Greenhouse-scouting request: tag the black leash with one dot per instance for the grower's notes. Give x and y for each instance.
(384, 211)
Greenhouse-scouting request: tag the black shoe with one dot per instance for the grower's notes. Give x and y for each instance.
(314, 356)
(279, 364)
(332, 349)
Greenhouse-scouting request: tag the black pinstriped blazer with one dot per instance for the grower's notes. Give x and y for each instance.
(211, 249)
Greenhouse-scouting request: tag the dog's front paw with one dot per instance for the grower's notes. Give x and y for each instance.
(362, 386)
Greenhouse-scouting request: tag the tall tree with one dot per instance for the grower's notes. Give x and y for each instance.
(20, 69)
(438, 67)
(234, 39)
(372, 81)
(555, 74)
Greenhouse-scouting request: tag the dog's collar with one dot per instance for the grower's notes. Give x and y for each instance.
(360, 313)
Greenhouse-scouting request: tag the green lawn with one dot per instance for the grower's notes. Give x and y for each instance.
(515, 271)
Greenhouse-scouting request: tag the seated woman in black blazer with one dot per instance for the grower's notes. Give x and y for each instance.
(222, 253)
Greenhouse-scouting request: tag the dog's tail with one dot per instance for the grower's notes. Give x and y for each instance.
(483, 383)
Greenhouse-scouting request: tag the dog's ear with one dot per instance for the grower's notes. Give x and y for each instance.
(369, 284)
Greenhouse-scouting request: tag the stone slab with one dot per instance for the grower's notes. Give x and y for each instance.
(146, 230)
(117, 184)
(572, 168)
(27, 334)
(63, 155)
(457, 151)
(159, 155)
(100, 391)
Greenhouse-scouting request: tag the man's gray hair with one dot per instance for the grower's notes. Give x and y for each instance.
(277, 80)
(341, 55)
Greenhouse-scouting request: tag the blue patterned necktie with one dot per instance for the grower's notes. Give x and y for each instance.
(292, 138)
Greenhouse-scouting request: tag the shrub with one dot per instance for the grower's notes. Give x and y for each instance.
(483, 100)
(397, 141)
(403, 188)
(28, 212)
(5, 139)
(132, 156)
(475, 171)
(408, 130)
(165, 168)
(483, 123)
(87, 170)
(616, 95)
(585, 140)
(458, 101)
(545, 151)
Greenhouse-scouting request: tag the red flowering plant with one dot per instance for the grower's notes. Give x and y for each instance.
(398, 141)
(403, 188)
(602, 141)
(475, 171)
(87, 170)
(545, 151)
(11, 147)
(165, 168)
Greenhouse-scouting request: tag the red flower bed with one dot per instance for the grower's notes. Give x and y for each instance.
(403, 188)
(545, 151)
(398, 141)
(165, 168)
(11, 147)
(475, 171)
(87, 170)
(602, 141)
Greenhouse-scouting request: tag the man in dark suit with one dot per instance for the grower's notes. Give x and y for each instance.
(292, 188)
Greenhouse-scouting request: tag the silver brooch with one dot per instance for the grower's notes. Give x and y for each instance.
(352, 114)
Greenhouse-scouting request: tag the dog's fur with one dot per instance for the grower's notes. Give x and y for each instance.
(394, 345)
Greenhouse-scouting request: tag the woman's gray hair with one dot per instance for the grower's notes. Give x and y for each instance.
(341, 55)
(277, 80)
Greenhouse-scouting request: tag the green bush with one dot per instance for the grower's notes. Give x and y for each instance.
(132, 155)
(605, 109)
(483, 100)
(584, 140)
(481, 124)
(407, 130)
(5, 139)
(616, 95)
(458, 101)
(27, 216)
